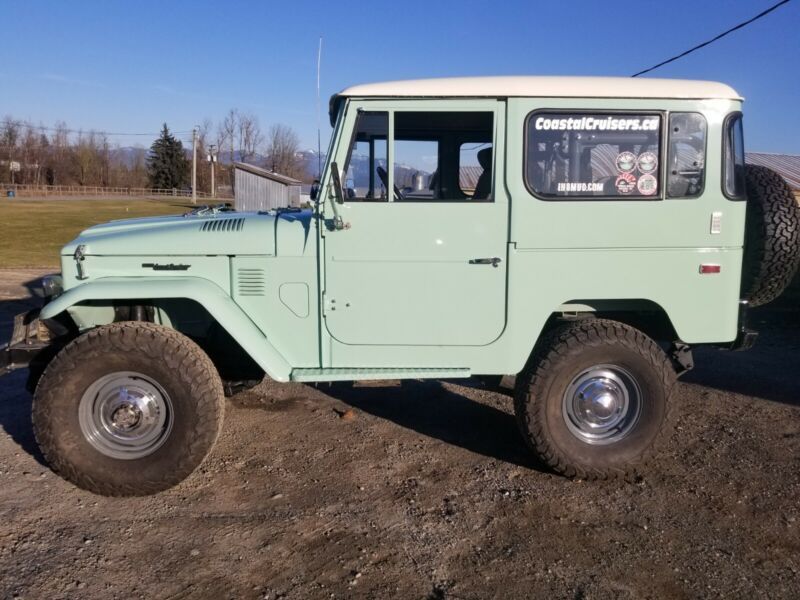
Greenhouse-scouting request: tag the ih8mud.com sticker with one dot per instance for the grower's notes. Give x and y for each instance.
(564, 186)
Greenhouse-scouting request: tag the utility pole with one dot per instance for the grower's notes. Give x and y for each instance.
(212, 158)
(194, 165)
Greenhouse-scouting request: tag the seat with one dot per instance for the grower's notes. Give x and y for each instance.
(483, 189)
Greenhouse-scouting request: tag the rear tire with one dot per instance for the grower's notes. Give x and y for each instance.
(772, 236)
(128, 409)
(594, 401)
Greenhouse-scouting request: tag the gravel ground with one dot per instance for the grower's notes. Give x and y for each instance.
(426, 491)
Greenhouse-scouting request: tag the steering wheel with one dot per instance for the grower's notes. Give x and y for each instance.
(384, 177)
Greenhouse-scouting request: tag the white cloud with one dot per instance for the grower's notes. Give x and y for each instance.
(56, 78)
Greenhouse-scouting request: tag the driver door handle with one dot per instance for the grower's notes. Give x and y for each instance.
(494, 261)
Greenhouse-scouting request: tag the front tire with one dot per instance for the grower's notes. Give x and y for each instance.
(594, 401)
(128, 409)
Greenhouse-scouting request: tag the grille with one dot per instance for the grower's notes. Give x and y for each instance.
(236, 224)
(250, 282)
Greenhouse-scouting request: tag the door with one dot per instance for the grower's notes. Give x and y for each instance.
(421, 258)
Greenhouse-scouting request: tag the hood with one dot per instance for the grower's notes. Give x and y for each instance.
(228, 233)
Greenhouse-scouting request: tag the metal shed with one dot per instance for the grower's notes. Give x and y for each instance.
(259, 189)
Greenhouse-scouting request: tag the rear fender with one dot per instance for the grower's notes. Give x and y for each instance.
(209, 295)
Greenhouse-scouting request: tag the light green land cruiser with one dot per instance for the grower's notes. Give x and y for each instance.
(580, 233)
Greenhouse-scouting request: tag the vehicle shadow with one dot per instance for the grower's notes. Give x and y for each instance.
(771, 369)
(15, 401)
(433, 410)
(15, 413)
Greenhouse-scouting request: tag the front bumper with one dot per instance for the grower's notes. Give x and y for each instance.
(29, 339)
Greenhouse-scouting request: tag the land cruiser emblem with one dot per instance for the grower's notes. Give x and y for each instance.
(626, 162)
(169, 267)
(647, 162)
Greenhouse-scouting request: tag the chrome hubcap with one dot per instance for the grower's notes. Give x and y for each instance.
(602, 404)
(125, 415)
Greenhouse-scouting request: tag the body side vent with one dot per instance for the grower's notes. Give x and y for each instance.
(250, 282)
(236, 224)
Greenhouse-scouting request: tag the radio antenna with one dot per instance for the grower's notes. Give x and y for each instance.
(319, 108)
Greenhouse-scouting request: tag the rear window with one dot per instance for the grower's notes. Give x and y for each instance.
(593, 155)
(733, 158)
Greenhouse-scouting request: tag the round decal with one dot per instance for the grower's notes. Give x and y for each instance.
(625, 183)
(647, 162)
(626, 162)
(647, 185)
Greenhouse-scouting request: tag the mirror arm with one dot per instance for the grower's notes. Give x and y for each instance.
(336, 182)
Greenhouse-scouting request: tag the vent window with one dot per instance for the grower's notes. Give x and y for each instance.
(686, 160)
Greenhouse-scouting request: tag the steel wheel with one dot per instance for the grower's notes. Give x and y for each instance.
(125, 415)
(602, 404)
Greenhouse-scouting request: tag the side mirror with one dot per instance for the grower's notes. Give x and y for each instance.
(314, 190)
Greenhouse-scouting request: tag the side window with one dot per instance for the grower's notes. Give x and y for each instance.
(429, 165)
(367, 160)
(415, 164)
(733, 158)
(686, 160)
(593, 155)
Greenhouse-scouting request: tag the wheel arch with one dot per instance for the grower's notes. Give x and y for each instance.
(643, 314)
(213, 299)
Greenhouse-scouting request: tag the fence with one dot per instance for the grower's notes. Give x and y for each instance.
(40, 191)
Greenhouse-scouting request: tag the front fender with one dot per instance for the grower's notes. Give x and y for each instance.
(209, 295)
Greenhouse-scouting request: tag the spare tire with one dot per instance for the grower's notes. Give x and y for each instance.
(772, 236)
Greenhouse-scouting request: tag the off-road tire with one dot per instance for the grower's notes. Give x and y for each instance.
(183, 370)
(772, 236)
(561, 356)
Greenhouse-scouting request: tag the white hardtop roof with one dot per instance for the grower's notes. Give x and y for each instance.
(550, 87)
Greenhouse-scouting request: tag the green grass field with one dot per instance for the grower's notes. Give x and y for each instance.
(32, 232)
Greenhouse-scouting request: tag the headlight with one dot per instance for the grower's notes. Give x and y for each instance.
(51, 286)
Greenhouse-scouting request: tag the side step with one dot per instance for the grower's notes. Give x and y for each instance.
(349, 374)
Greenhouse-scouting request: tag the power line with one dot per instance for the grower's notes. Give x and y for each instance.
(714, 39)
(8, 122)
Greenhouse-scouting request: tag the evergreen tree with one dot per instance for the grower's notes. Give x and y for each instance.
(167, 166)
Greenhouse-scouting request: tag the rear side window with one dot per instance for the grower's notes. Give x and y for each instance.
(593, 155)
(686, 158)
(733, 158)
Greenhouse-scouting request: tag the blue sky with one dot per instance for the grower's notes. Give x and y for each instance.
(129, 66)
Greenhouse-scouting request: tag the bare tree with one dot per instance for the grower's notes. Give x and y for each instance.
(86, 157)
(9, 137)
(282, 151)
(60, 160)
(104, 159)
(227, 130)
(204, 140)
(31, 152)
(250, 136)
